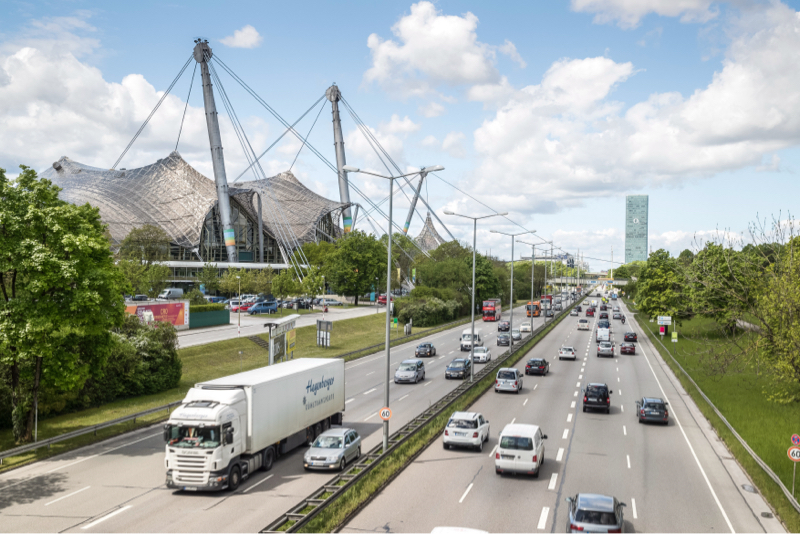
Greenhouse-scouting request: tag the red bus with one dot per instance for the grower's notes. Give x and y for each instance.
(534, 308)
(492, 310)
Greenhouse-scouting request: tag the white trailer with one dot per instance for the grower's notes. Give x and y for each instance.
(227, 428)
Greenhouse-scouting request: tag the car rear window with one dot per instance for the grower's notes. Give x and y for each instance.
(536, 362)
(506, 375)
(462, 423)
(516, 442)
(596, 391)
(596, 518)
(654, 406)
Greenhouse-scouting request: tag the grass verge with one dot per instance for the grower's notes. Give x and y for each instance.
(765, 426)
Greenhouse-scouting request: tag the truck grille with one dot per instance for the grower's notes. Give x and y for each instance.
(184, 477)
(189, 462)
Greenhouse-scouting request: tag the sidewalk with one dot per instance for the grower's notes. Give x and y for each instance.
(253, 325)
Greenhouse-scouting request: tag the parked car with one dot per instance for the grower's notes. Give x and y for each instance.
(481, 355)
(627, 348)
(458, 368)
(520, 450)
(566, 353)
(382, 299)
(425, 349)
(466, 429)
(333, 449)
(263, 307)
(537, 366)
(516, 335)
(140, 298)
(410, 371)
(333, 302)
(605, 348)
(508, 379)
(652, 409)
(630, 336)
(590, 512)
(525, 328)
(597, 396)
(503, 340)
(503, 326)
(214, 300)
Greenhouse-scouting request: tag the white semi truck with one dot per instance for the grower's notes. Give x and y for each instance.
(227, 428)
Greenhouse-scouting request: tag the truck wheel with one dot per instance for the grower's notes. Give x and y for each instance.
(234, 478)
(269, 459)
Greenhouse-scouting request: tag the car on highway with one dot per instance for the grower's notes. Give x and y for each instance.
(603, 315)
(630, 336)
(573, 313)
(503, 340)
(616, 308)
(589, 312)
(597, 396)
(481, 355)
(520, 450)
(508, 379)
(410, 371)
(458, 368)
(627, 348)
(466, 429)
(603, 323)
(263, 307)
(652, 410)
(537, 366)
(333, 449)
(525, 328)
(590, 512)
(548, 312)
(605, 348)
(566, 353)
(425, 349)
(617, 316)
(603, 307)
(516, 335)
(503, 326)
(579, 308)
(583, 324)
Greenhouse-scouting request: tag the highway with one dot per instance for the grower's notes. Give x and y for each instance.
(118, 485)
(675, 478)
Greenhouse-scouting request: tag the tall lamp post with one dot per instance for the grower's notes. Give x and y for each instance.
(239, 308)
(474, 241)
(533, 268)
(348, 168)
(511, 327)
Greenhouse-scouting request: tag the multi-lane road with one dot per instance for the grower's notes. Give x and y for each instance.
(675, 478)
(118, 485)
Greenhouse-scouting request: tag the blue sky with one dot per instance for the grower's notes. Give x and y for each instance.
(553, 111)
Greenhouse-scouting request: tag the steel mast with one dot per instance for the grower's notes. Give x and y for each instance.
(334, 95)
(422, 174)
(202, 53)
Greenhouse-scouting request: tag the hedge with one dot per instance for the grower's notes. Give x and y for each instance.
(201, 308)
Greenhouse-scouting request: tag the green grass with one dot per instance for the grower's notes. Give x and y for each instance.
(739, 396)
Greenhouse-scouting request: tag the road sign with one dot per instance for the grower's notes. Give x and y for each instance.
(674, 337)
(662, 330)
(664, 322)
(386, 414)
(794, 453)
(796, 439)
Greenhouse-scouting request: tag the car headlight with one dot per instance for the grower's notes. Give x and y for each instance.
(333, 458)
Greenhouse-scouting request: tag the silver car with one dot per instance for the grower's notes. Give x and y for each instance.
(605, 348)
(508, 379)
(482, 355)
(410, 371)
(590, 512)
(333, 449)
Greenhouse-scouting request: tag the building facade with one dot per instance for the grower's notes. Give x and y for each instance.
(636, 210)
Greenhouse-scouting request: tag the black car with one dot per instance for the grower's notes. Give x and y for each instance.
(140, 298)
(603, 307)
(537, 366)
(630, 336)
(597, 396)
(425, 349)
(458, 368)
(603, 315)
(652, 409)
(504, 339)
(579, 308)
(503, 326)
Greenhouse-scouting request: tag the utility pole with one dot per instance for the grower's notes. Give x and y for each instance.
(334, 95)
(202, 54)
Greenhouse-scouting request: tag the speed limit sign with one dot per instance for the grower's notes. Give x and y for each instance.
(794, 453)
(386, 414)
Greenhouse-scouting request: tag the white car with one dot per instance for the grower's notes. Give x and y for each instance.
(525, 327)
(573, 313)
(566, 353)
(583, 324)
(521, 450)
(508, 379)
(482, 355)
(466, 429)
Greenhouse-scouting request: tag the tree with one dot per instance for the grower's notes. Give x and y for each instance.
(236, 281)
(262, 281)
(621, 273)
(313, 284)
(61, 293)
(316, 253)
(284, 285)
(208, 277)
(686, 257)
(358, 260)
(660, 288)
(139, 256)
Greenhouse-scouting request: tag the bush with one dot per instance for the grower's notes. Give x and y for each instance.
(196, 297)
(207, 307)
(429, 312)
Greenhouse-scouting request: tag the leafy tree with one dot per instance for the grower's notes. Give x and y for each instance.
(621, 272)
(351, 269)
(139, 256)
(208, 277)
(61, 294)
(660, 288)
(686, 257)
(313, 284)
(284, 285)
(316, 253)
(236, 281)
(196, 297)
(262, 281)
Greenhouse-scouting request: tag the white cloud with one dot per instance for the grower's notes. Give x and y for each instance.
(431, 109)
(401, 126)
(431, 142)
(453, 144)
(247, 37)
(629, 13)
(510, 50)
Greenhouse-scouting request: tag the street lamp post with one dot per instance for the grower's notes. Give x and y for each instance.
(511, 327)
(474, 244)
(533, 268)
(239, 308)
(348, 168)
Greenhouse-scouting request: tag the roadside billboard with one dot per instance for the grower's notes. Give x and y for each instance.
(175, 313)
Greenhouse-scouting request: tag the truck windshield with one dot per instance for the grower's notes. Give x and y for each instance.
(195, 437)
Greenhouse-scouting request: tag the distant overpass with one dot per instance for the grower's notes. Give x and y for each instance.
(586, 281)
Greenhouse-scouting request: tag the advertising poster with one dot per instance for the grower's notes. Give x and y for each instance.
(291, 338)
(175, 313)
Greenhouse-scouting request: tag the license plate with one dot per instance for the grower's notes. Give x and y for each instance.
(189, 488)
(592, 399)
(506, 457)
(460, 433)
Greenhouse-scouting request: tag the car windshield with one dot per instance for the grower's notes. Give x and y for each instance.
(423, 347)
(595, 518)
(407, 367)
(462, 423)
(328, 442)
(480, 350)
(583, 321)
(195, 437)
(466, 337)
(516, 442)
(456, 365)
(506, 375)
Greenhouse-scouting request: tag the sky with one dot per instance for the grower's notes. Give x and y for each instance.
(550, 111)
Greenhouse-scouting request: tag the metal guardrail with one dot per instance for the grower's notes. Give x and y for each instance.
(324, 496)
(83, 431)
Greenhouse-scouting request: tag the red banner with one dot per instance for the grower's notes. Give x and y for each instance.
(175, 313)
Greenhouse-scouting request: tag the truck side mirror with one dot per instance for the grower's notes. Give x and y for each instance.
(167, 432)
(228, 436)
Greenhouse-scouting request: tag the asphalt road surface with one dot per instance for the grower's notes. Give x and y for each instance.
(118, 485)
(675, 478)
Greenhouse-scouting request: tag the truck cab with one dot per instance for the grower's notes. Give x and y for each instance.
(466, 339)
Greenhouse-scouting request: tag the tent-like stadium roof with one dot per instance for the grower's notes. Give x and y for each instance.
(171, 194)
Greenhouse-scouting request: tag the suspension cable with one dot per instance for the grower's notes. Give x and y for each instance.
(307, 135)
(191, 83)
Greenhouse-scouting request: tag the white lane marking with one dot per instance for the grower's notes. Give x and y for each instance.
(578, 385)
(565, 434)
(440, 357)
(616, 361)
(621, 408)
(257, 483)
(493, 450)
(617, 379)
(543, 518)
(70, 495)
(535, 386)
(370, 391)
(553, 479)
(348, 401)
(618, 369)
(427, 384)
(572, 404)
(575, 394)
(451, 352)
(465, 494)
(372, 373)
(628, 456)
(370, 417)
(560, 454)
(624, 430)
(112, 514)
(580, 377)
(569, 418)
(633, 508)
(512, 421)
(526, 402)
(696, 459)
(584, 359)
(403, 397)
(619, 392)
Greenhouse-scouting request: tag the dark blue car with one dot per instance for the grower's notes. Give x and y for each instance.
(263, 307)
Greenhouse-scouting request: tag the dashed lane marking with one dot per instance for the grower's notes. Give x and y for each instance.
(543, 518)
(112, 514)
(628, 456)
(370, 417)
(565, 434)
(493, 450)
(69, 495)
(526, 402)
(633, 508)
(348, 401)
(553, 479)
(569, 418)
(560, 454)
(572, 405)
(370, 391)
(257, 483)
(624, 430)
(465, 494)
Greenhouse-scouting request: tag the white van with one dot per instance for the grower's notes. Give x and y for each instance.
(520, 450)
(170, 293)
(603, 334)
(466, 339)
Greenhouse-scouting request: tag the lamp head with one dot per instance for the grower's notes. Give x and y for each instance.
(433, 168)
(350, 168)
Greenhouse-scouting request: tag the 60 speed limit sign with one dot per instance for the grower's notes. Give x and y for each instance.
(386, 414)
(794, 453)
